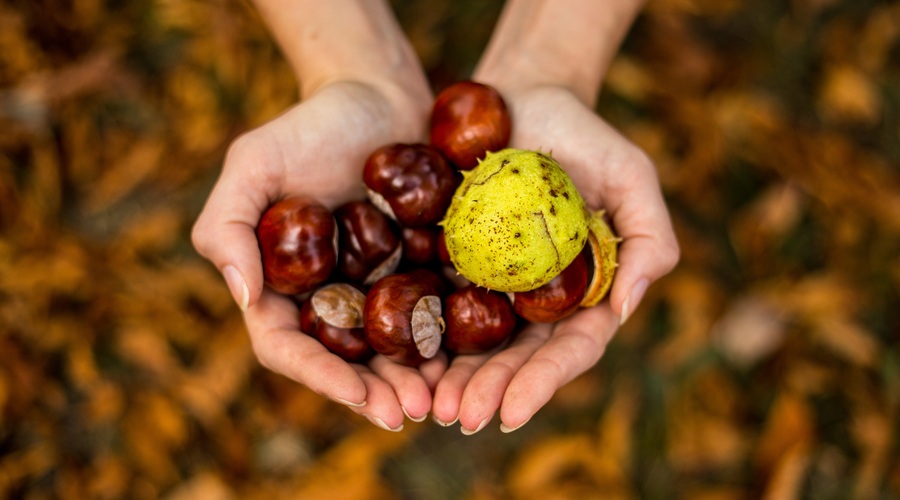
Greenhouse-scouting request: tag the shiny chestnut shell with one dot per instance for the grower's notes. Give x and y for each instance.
(420, 245)
(297, 243)
(389, 317)
(556, 299)
(478, 320)
(443, 253)
(413, 183)
(368, 244)
(348, 342)
(468, 119)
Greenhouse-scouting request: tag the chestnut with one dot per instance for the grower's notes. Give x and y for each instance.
(432, 279)
(334, 316)
(556, 299)
(298, 244)
(468, 119)
(368, 246)
(411, 183)
(478, 320)
(443, 253)
(402, 318)
(420, 245)
(447, 267)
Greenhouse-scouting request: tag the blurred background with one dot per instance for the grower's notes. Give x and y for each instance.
(766, 365)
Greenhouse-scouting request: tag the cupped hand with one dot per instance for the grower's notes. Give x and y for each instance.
(315, 149)
(611, 174)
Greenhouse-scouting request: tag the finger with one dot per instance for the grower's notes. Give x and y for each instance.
(483, 394)
(576, 345)
(449, 391)
(410, 388)
(225, 229)
(649, 248)
(433, 370)
(382, 407)
(281, 347)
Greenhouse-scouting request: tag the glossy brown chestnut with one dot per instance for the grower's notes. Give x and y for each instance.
(469, 119)
(557, 299)
(403, 318)
(412, 183)
(368, 246)
(420, 245)
(432, 279)
(334, 316)
(443, 253)
(478, 320)
(447, 268)
(297, 239)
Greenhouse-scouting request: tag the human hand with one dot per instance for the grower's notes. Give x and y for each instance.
(610, 173)
(315, 149)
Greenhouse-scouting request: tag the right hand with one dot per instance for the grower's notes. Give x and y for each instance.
(315, 149)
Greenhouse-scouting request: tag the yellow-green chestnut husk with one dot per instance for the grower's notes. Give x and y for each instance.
(515, 222)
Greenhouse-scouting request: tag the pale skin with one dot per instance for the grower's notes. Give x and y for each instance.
(362, 87)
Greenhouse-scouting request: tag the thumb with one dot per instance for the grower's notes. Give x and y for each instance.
(232, 247)
(649, 248)
(225, 233)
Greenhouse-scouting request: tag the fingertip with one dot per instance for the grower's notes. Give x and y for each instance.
(237, 285)
(641, 261)
(468, 431)
(381, 424)
(506, 429)
(517, 409)
(632, 299)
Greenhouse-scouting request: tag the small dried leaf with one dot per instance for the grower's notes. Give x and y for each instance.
(123, 177)
(848, 94)
(207, 485)
(750, 330)
(788, 432)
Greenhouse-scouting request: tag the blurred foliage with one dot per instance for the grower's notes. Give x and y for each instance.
(767, 365)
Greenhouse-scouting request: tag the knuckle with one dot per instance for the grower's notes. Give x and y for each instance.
(671, 253)
(200, 236)
(261, 352)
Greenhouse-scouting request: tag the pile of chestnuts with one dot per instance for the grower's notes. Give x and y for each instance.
(374, 275)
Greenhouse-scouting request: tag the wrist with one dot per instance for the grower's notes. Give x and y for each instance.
(560, 43)
(343, 40)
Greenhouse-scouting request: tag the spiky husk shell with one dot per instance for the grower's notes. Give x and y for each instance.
(515, 222)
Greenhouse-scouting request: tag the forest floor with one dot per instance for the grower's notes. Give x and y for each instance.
(766, 365)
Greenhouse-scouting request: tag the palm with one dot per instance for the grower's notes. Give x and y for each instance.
(316, 149)
(611, 174)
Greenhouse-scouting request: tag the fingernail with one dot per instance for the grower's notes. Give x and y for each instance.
(506, 430)
(420, 419)
(380, 423)
(467, 432)
(237, 286)
(349, 403)
(442, 423)
(633, 299)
